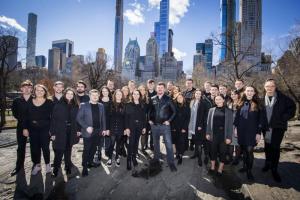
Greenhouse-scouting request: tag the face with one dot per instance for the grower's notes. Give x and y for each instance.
(176, 90)
(219, 101)
(26, 90)
(160, 89)
(169, 86)
(125, 92)
(110, 85)
(58, 89)
(136, 95)
(142, 90)
(249, 92)
(151, 86)
(119, 96)
(198, 94)
(94, 96)
(39, 92)
(180, 99)
(105, 92)
(207, 87)
(189, 84)
(131, 85)
(80, 88)
(270, 87)
(214, 91)
(223, 90)
(234, 96)
(238, 85)
(69, 95)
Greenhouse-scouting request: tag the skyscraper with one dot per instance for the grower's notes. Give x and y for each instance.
(131, 60)
(170, 41)
(228, 18)
(164, 26)
(204, 55)
(118, 46)
(66, 46)
(9, 51)
(54, 61)
(31, 39)
(157, 33)
(101, 56)
(251, 30)
(40, 61)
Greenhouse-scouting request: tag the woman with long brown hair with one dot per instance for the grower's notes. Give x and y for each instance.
(37, 125)
(64, 130)
(248, 127)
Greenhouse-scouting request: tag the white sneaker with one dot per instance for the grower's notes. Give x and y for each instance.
(109, 163)
(48, 168)
(118, 162)
(36, 169)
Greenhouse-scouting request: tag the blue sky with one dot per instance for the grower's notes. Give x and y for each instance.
(90, 23)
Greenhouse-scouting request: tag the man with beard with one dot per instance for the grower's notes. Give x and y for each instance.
(58, 91)
(81, 88)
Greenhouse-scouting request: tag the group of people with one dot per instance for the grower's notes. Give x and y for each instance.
(216, 123)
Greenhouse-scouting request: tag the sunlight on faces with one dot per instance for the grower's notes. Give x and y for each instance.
(219, 101)
(125, 91)
(198, 95)
(238, 84)
(223, 90)
(189, 84)
(40, 92)
(131, 85)
(160, 89)
(69, 95)
(136, 95)
(170, 86)
(270, 87)
(80, 88)
(234, 96)
(142, 90)
(151, 86)
(249, 92)
(175, 90)
(26, 89)
(58, 88)
(119, 96)
(105, 92)
(214, 91)
(180, 99)
(94, 97)
(207, 87)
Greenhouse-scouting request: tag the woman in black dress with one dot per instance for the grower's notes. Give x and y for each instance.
(64, 130)
(219, 132)
(37, 126)
(135, 124)
(248, 127)
(117, 124)
(179, 126)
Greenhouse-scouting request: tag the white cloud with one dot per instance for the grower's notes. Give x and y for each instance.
(10, 22)
(135, 16)
(179, 55)
(178, 8)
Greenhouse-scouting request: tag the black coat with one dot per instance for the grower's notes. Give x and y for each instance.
(201, 121)
(248, 128)
(117, 119)
(284, 109)
(182, 118)
(133, 113)
(62, 112)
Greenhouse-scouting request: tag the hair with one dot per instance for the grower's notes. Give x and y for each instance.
(189, 79)
(270, 80)
(196, 90)
(170, 82)
(131, 81)
(144, 97)
(128, 97)
(44, 88)
(140, 99)
(74, 101)
(115, 104)
(150, 81)
(223, 85)
(215, 86)
(208, 82)
(94, 91)
(81, 82)
(162, 84)
(221, 97)
(172, 92)
(104, 87)
(109, 80)
(240, 80)
(26, 83)
(59, 83)
(184, 101)
(254, 103)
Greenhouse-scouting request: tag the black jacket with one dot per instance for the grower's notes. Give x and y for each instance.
(19, 110)
(188, 95)
(201, 120)
(182, 118)
(117, 119)
(161, 110)
(62, 115)
(135, 115)
(284, 109)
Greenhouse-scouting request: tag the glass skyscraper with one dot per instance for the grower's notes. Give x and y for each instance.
(31, 40)
(118, 46)
(164, 26)
(66, 46)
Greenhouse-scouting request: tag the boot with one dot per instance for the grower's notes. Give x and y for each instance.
(179, 160)
(129, 163)
(250, 175)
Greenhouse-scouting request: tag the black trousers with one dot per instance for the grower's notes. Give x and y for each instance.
(89, 148)
(64, 152)
(179, 141)
(21, 151)
(248, 156)
(218, 149)
(116, 140)
(272, 150)
(199, 145)
(133, 145)
(39, 140)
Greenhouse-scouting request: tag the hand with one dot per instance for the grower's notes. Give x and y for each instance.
(144, 131)
(53, 137)
(78, 134)
(25, 132)
(183, 131)
(107, 132)
(89, 130)
(150, 122)
(227, 141)
(207, 137)
(167, 123)
(199, 128)
(127, 132)
(235, 132)
(258, 137)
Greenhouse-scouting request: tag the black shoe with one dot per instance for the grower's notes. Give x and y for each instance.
(177, 156)
(211, 172)
(129, 164)
(265, 168)
(151, 147)
(243, 170)
(276, 176)
(54, 173)
(219, 174)
(15, 171)
(93, 165)
(200, 162)
(173, 168)
(250, 175)
(206, 160)
(85, 172)
(193, 156)
(179, 160)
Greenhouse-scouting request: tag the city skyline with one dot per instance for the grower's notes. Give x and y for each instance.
(86, 27)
